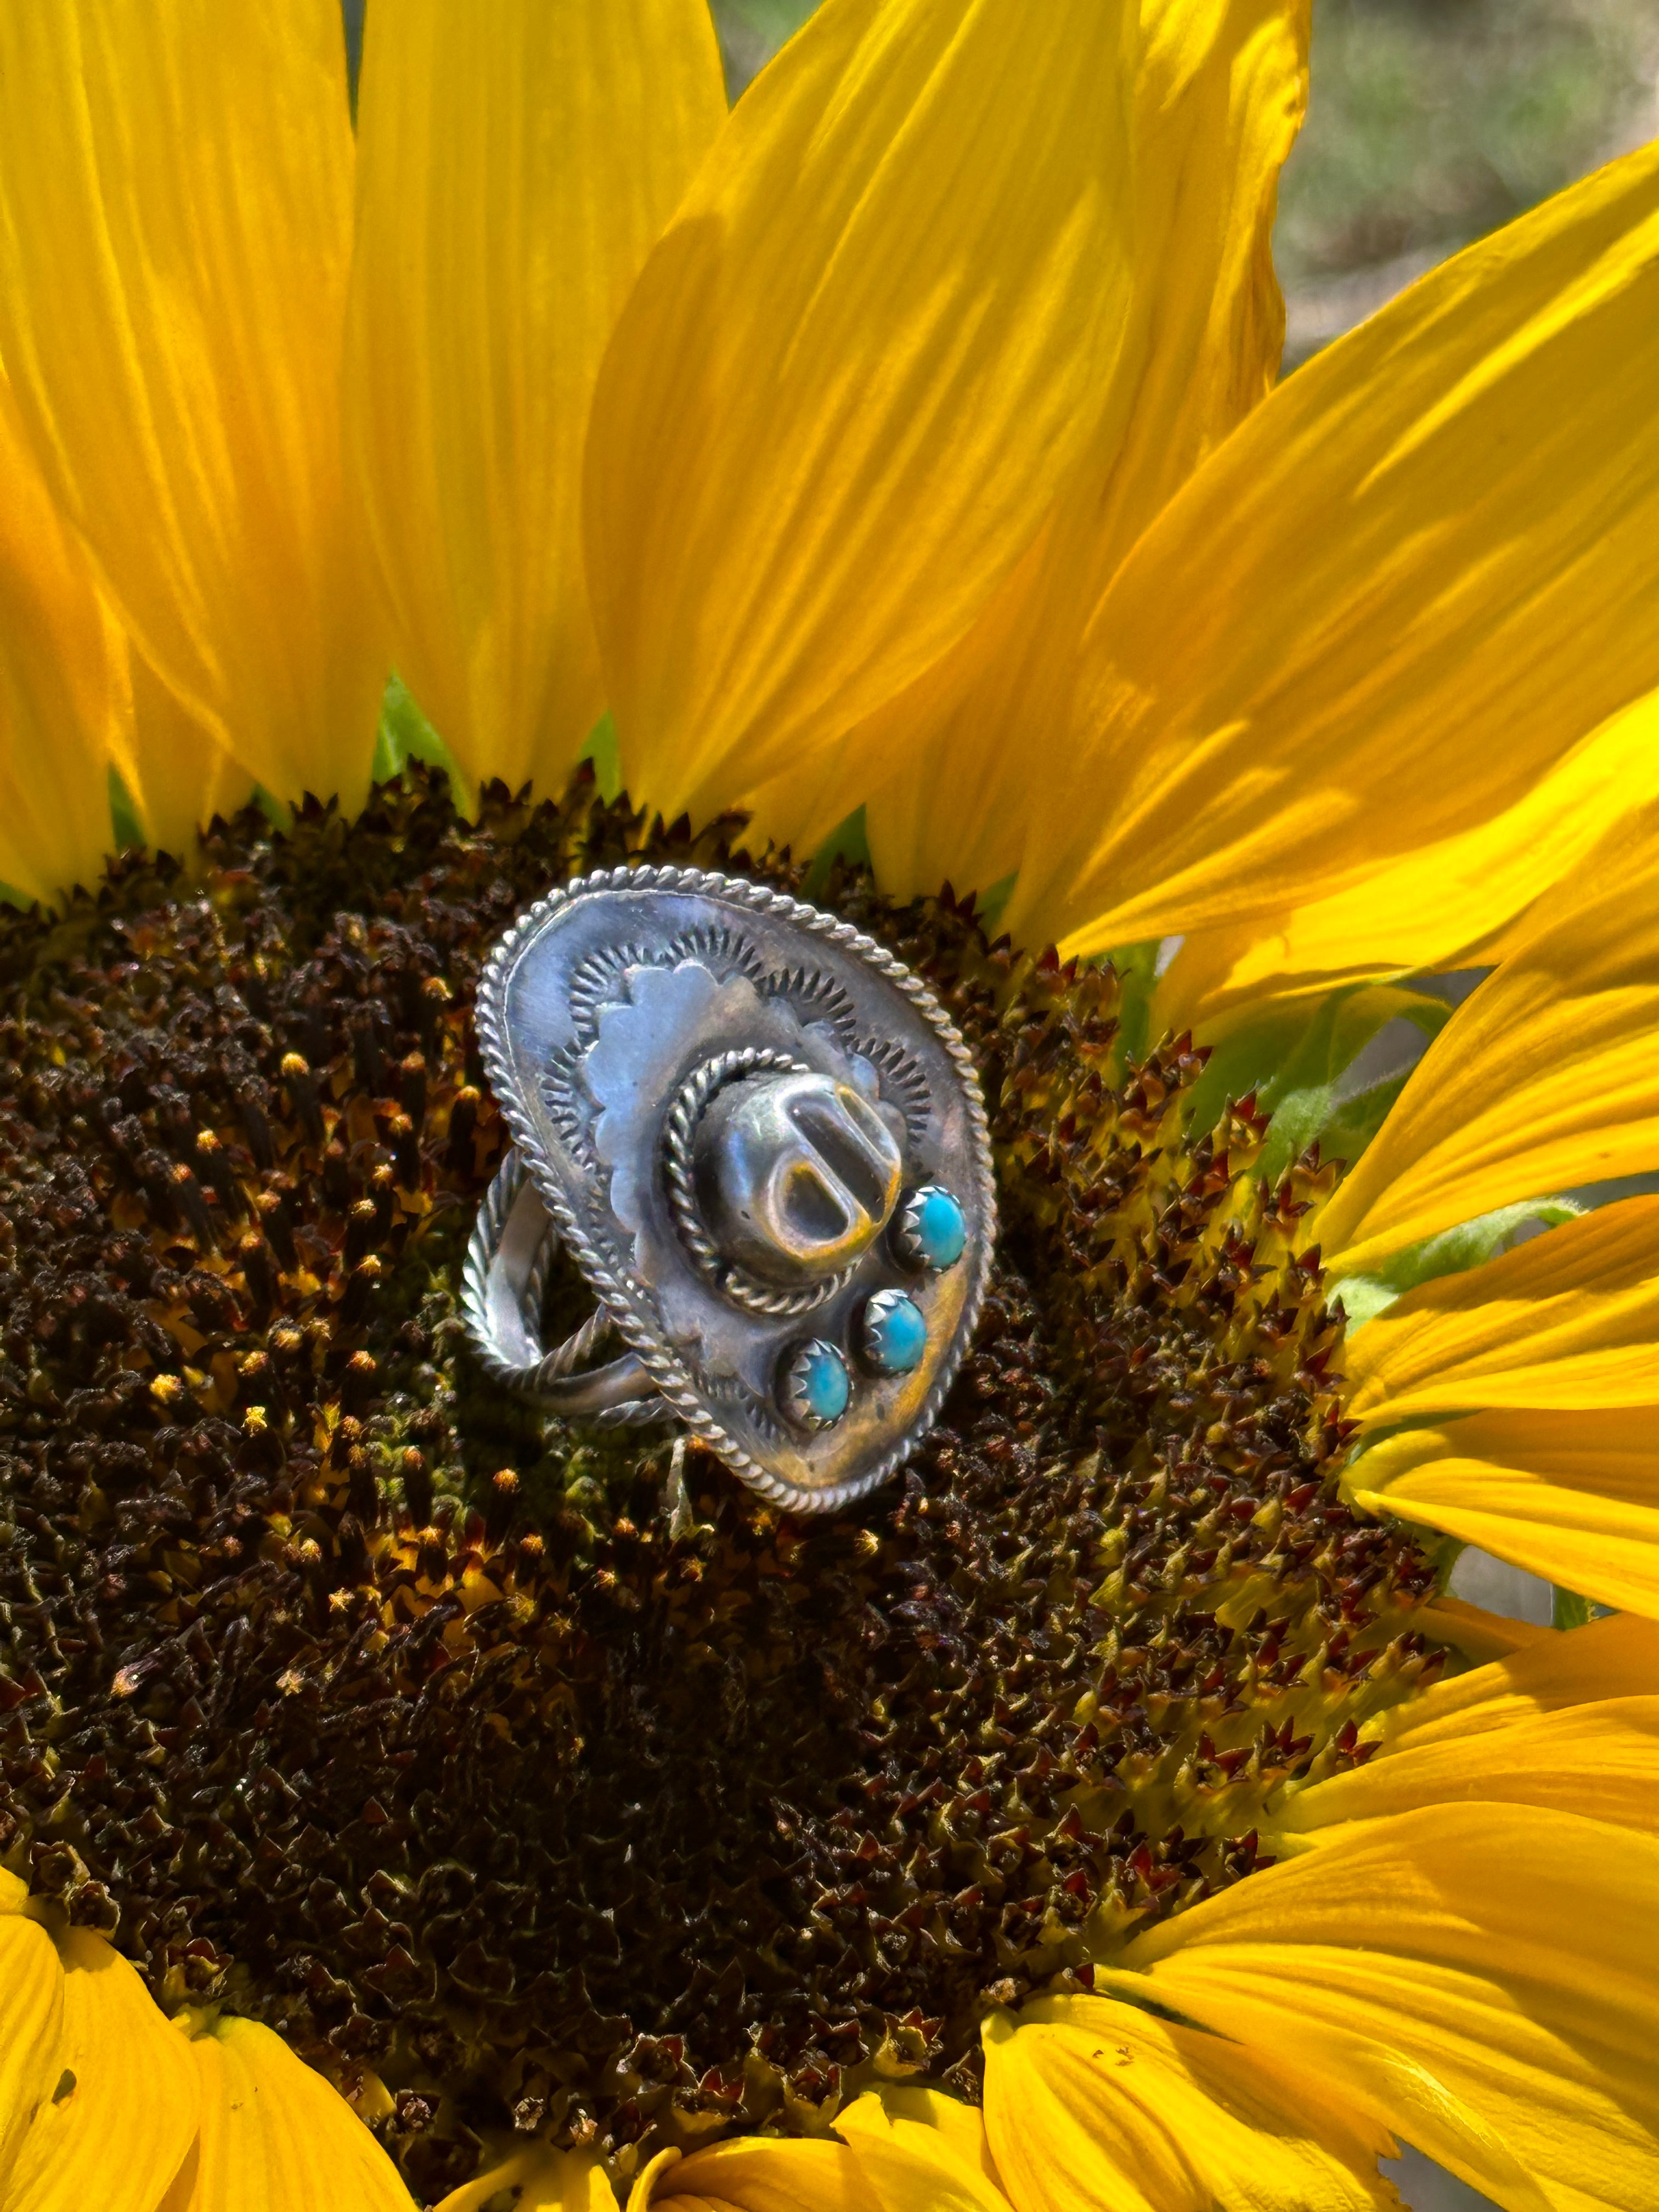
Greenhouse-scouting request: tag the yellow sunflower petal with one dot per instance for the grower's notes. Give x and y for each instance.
(1572, 1496)
(919, 2148)
(1435, 908)
(1568, 1319)
(1545, 1077)
(274, 2138)
(1218, 98)
(1480, 1636)
(31, 2027)
(758, 2173)
(854, 374)
(65, 707)
(1476, 1977)
(1573, 1720)
(1599, 1759)
(182, 776)
(537, 2180)
(77, 700)
(1091, 2105)
(516, 165)
(176, 230)
(1220, 95)
(119, 2130)
(1616, 1657)
(1434, 541)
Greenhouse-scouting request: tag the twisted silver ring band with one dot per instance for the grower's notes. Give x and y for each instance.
(511, 1248)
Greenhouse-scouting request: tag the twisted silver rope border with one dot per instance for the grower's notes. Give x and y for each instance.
(663, 1367)
(481, 1246)
(566, 1357)
(693, 1098)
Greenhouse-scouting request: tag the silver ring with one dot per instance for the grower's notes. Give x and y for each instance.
(509, 1256)
(760, 1138)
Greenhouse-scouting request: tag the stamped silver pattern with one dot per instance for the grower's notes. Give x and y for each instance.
(608, 1016)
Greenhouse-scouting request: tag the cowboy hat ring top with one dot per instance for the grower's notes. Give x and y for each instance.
(764, 1144)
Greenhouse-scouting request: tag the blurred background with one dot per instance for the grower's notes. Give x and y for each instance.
(1431, 122)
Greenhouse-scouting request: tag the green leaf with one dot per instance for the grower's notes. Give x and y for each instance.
(752, 31)
(602, 747)
(1572, 1611)
(1305, 1093)
(352, 11)
(990, 905)
(1137, 977)
(1450, 1253)
(1352, 1125)
(773, 21)
(124, 817)
(1250, 1060)
(405, 734)
(849, 841)
(1292, 1056)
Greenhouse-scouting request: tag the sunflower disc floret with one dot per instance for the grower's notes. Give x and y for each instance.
(347, 1692)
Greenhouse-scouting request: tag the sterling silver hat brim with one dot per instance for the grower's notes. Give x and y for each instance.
(594, 1013)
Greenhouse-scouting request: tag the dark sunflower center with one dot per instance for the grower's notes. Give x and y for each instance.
(344, 1688)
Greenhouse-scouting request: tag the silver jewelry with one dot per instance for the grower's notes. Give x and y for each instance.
(761, 1139)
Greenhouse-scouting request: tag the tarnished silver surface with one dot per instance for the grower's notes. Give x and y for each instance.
(720, 1098)
(796, 1174)
(512, 1248)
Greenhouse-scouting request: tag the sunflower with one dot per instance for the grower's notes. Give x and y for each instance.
(884, 485)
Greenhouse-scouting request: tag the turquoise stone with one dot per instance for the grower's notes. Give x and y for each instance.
(895, 1333)
(932, 1229)
(817, 1387)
